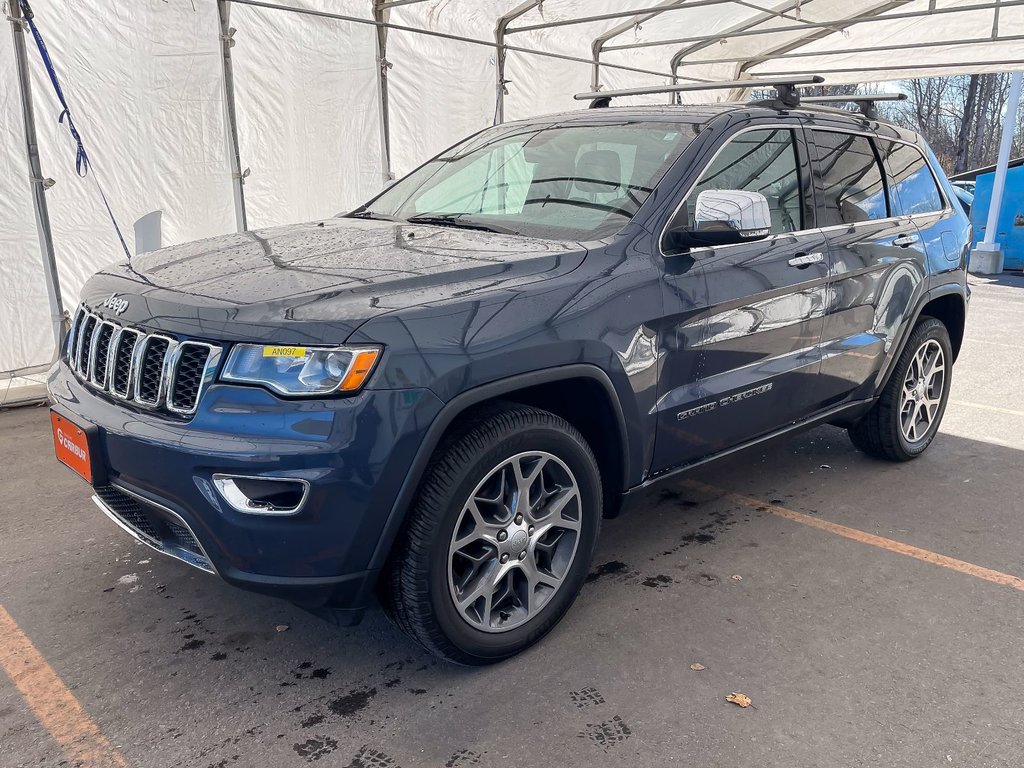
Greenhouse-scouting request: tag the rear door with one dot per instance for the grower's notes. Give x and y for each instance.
(915, 193)
(758, 358)
(876, 267)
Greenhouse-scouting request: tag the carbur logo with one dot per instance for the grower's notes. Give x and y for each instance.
(115, 304)
(71, 446)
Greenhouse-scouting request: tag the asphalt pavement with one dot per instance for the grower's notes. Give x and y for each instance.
(872, 612)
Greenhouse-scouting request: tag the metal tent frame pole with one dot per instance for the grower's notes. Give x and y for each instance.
(36, 179)
(749, 63)
(632, 23)
(754, 21)
(987, 257)
(990, 65)
(381, 10)
(806, 25)
(784, 51)
(656, 9)
(230, 118)
(449, 36)
(500, 28)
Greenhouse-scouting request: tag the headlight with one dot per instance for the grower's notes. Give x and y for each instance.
(301, 370)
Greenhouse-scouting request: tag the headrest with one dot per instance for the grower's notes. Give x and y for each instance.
(598, 170)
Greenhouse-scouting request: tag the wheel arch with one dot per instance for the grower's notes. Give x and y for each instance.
(533, 388)
(951, 310)
(946, 303)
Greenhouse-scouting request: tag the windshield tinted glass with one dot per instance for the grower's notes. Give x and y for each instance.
(573, 181)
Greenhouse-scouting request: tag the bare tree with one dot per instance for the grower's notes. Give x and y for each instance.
(970, 108)
(961, 117)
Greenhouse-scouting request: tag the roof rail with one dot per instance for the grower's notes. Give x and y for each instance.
(788, 96)
(865, 101)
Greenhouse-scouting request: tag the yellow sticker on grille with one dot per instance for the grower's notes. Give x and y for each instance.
(284, 351)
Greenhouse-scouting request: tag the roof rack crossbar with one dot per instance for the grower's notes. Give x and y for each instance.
(786, 88)
(865, 101)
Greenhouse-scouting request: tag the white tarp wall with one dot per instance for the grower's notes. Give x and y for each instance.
(440, 90)
(25, 330)
(145, 83)
(308, 111)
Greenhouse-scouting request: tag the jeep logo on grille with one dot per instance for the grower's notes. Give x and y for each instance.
(115, 304)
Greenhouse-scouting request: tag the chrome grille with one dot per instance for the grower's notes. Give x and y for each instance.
(150, 370)
(101, 349)
(121, 362)
(85, 342)
(152, 353)
(187, 377)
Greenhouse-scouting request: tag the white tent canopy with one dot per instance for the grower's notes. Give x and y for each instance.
(316, 102)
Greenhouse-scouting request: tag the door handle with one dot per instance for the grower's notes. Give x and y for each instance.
(905, 241)
(802, 260)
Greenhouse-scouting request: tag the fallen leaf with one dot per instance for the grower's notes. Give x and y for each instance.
(740, 699)
(697, 667)
(282, 627)
(736, 577)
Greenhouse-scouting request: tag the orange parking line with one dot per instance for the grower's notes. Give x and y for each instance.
(52, 703)
(979, 572)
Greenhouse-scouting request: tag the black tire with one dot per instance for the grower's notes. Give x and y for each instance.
(879, 432)
(415, 589)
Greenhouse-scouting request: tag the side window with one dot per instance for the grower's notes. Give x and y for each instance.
(850, 177)
(757, 161)
(911, 182)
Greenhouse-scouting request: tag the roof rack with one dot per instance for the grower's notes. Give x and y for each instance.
(788, 96)
(865, 101)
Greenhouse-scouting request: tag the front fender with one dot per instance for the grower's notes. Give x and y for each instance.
(461, 403)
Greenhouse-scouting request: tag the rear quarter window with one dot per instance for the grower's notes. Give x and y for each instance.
(911, 182)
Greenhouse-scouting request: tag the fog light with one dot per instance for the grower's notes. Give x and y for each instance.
(262, 495)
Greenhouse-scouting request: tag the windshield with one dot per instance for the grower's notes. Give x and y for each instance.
(575, 181)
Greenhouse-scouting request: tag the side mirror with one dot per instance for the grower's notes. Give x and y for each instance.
(724, 217)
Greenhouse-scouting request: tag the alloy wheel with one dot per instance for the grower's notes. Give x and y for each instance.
(922, 392)
(515, 541)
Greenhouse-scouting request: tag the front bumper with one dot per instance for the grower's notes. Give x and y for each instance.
(354, 452)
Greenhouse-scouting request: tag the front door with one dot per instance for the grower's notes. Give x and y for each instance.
(758, 356)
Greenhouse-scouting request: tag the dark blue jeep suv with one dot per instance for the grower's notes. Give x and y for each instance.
(434, 399)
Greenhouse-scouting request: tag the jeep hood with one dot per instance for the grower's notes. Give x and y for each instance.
(317, 282)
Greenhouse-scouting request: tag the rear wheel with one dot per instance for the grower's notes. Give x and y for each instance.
(500, 539)
(905, 420)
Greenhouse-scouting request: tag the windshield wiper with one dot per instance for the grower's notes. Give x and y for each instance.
(366, 213)
(456, 220)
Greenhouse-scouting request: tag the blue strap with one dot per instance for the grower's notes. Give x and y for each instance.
(81, 157)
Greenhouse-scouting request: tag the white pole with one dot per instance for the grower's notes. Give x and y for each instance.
(999, 184)
(987, 257)
(39, 183)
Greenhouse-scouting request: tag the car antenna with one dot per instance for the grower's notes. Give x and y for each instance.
(788, 96)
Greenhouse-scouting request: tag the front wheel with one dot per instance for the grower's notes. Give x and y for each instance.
(905, 420)
(500, 540)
